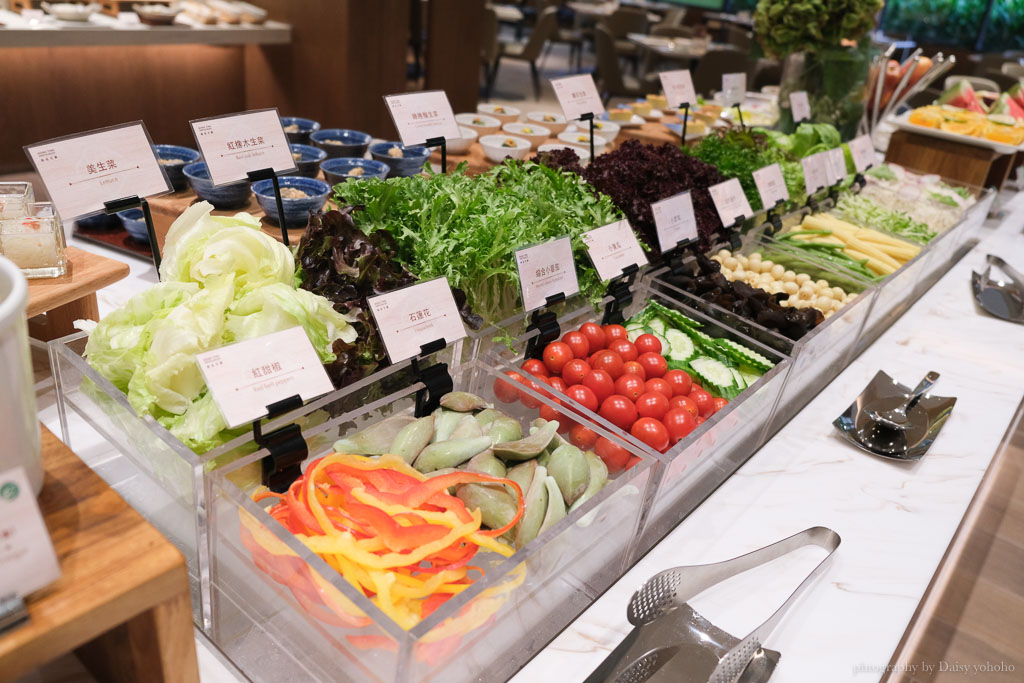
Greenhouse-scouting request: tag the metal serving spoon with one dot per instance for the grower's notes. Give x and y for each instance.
(896, 418)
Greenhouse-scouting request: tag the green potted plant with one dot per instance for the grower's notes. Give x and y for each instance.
(825, 51)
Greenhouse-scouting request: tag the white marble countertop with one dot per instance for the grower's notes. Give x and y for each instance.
(896, 519)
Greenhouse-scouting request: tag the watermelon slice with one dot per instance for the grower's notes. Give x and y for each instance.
(1016, 93)
(1006, 105)
(962, 95)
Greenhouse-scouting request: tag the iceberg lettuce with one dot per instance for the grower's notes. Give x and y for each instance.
(223, 281)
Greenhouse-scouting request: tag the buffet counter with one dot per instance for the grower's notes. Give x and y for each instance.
(896, 519)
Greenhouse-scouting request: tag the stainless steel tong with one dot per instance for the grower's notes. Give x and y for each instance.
(671, 642)
(1002, 299)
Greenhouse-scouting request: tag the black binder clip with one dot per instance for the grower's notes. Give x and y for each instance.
(286, 445)
(436, 379)
(546, 323)
(620, 289)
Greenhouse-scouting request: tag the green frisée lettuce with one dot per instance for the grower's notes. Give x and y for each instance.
(223, 281)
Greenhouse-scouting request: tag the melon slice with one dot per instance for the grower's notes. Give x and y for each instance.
(1016, 93)
(962, 95)
(1008, 106)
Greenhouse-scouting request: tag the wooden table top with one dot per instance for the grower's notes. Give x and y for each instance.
(114, 565)
(86, 273)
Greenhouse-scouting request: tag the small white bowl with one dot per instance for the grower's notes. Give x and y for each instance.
(556, 123)
(495, 150)
(582, 139)
(71, 11)
(582, 153)
(481, 123)
(531, 131)
(606, 129)
(500, 112)
(461, 145)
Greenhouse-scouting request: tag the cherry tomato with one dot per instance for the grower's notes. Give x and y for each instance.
(651, 432)
(647, 343)
(679, 422)
(700, 420)
(582, 437)
(634, 368)
(615, 457)
(652, 404)
(680, 381)
(705, 404)
(575, 370)
(654, 364)
(720, 403)
(695, 387)
(659, 385)
(528, 400)
(685, 403)
(535, 367)
(633, 459)
(582, 395)
(595, 336)
(618, 410)
(578, 342)
(548, 413)
(613, 332)
(609, 361)
(601, 383)
(558, 384)
(624, 348)
(629, 386)
(556, 355)
(506, 390)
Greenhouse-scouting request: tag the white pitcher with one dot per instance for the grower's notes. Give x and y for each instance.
(19, 423)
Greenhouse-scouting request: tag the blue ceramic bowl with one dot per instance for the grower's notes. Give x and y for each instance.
(174, 159)
(296, 211)
(100, 221)
(134, 222)
(409, 164)
(344, 143)
(308, 161)
(306, 126)
(337, 170)
(233, 196)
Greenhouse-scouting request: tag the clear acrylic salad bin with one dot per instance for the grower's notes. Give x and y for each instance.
(819, 355)
(165, 478)
(695, 466)
(288, 615)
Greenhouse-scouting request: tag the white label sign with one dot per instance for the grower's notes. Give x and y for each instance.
(674, 220)
(730, 201)
(82, 171)
(235, 144)
(836, 164)
(420, 116)
(678, 87)
(27, 559)
(863, 152)
(248, 376)
(578, 96)
(815, 172)
(545, 270)
(800, 106)
(416, 315)
(734, 89)
(612, 248)
(771, 185)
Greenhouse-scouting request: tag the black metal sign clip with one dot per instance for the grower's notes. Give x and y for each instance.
(286, 445)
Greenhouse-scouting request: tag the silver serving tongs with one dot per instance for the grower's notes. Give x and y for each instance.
(671, 642)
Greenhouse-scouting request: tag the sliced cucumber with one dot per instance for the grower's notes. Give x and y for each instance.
(633, 332)
(739, 382)
(664, 342)
(713, 372)
(679, 346)
(744, 355)
(749, 375)
(658, 325)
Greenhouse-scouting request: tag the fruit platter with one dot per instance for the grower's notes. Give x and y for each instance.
(994, 120)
